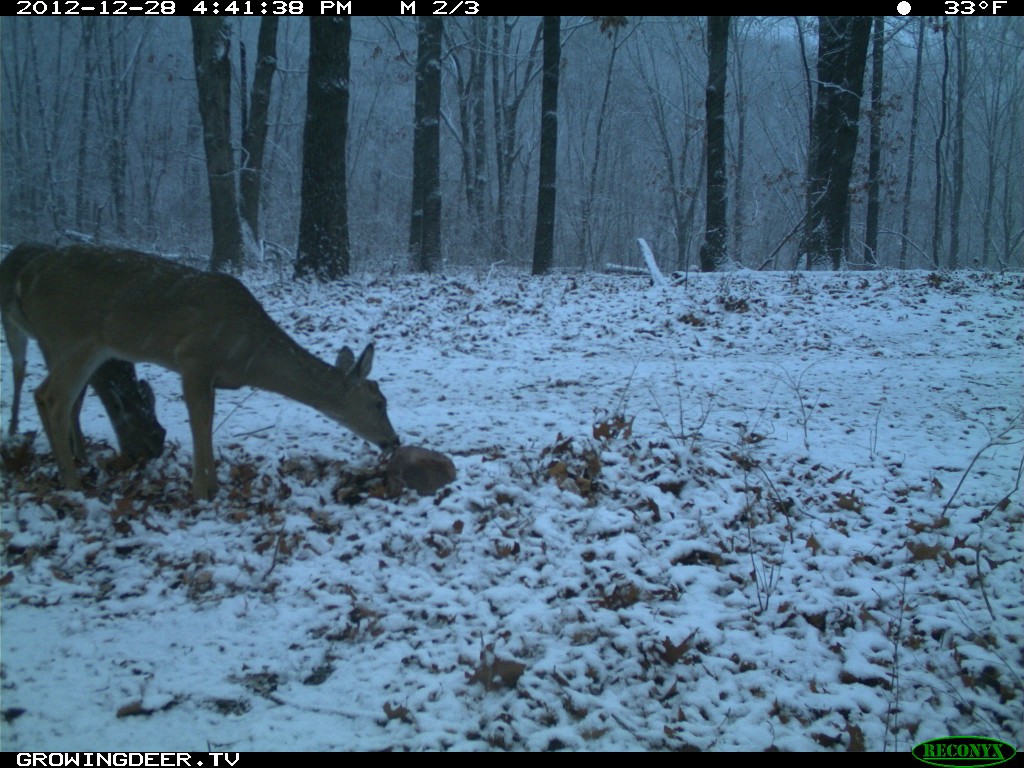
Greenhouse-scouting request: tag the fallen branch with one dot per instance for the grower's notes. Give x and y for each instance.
(652, 266)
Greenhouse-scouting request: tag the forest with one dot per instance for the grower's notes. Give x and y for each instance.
(712, 324)
(104, 120)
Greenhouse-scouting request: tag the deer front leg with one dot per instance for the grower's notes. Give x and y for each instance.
(199, 399)
(55, 404)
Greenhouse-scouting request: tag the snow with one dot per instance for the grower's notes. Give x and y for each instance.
(776, 546)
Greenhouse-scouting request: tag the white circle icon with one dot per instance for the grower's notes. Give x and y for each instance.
(903, 8)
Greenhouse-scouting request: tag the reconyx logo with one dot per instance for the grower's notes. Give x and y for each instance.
(957, 751)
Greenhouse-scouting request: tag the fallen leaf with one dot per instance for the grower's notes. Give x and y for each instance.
(923, 551)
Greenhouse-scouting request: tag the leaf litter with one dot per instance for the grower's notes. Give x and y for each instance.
(754, 511)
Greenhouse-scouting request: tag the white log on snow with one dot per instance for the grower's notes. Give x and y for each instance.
(652, 266)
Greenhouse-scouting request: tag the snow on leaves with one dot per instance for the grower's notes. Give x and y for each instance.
(682, 571)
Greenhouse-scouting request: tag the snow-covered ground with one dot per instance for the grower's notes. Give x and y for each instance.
(751, 511)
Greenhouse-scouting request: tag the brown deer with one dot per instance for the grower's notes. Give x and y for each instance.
(85, 305)
(128, 401)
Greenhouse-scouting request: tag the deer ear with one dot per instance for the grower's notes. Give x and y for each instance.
(345, 360)
(364, 364)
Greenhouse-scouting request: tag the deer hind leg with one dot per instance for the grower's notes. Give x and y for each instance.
(199, 399)
(77, 439)
(56, 399)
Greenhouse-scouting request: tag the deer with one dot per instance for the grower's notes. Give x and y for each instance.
(87, 304)
(129, 402)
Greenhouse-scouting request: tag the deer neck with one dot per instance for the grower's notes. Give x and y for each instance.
(284, 367)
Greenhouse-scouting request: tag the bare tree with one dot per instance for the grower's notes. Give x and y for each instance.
(610, 25)
(509, 85)
(44, 128)
(211, 45)
(254, 127)
(673, 104)
(842, 58)
(737, 36)
(875, 143)
(940, 136)
(89, 55)
(468, 55)
(958, 145)
(119, 71)
(712, 252)
(915, 111)
(425, 226)
(544, 240)
(323, 223)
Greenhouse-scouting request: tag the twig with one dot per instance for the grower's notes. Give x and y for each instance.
(795, 386)
(771, 257)
(893, 712)
(277, 549)
(997, 440)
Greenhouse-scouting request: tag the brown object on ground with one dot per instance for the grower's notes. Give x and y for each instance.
(421, 469)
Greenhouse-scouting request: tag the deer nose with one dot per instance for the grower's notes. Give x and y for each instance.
(390, 445)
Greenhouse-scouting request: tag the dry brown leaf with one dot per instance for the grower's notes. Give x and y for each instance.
(397, 713)
(670, 653)
(923, 551)
(613, 427)
(503, 550)
(133, 709)
(497, 673)
(848, 501)
(623, 596)
(816, 620)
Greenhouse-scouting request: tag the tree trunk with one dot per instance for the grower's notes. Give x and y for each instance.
(89, 54)
(915, 110)
(117, 160)
(254, 133)
(958, 148)
(1013, 190)
(470, 62)
(54, 198)
(809, 91)
(211, 44)
(875, 144)
(425, 227)
(842, 58)
(995, 111)
(508, 91)
(712, 251)
(544, 241)
(585, 244)
(738, 225)
(939, 137)
(478, 99)
(323, 250)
